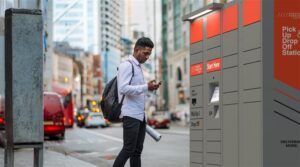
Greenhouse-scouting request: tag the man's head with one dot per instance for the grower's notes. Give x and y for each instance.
(143, 49)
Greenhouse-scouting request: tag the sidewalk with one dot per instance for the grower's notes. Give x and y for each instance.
(177, 128)
(24, 158)
(180, 124)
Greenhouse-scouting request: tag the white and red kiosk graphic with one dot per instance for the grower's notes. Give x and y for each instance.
(245, 84)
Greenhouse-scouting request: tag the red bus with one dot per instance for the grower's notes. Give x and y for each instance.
(68, 103)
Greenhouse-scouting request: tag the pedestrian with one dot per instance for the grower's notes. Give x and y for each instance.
(133, 108)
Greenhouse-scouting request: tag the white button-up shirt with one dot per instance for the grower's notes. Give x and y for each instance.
(134, 101)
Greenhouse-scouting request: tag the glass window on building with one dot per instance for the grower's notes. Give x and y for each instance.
(185, 43)
(177, 24)
(197, 4)
(171, 71)
(79, 5)
(90, 6)
(73, 14)
(185, 66)
(2, 8)
(181, 97)
(179, 74)
(218, 1)
(61, 6)
(170, 5)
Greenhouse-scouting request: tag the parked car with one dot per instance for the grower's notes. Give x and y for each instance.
(1, 113)
(95, 119)
(159, 120)
(53, 115)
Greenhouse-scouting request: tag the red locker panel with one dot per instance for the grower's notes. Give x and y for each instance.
(230, 18)
(251, 11)
(213, 24)
(196, 30)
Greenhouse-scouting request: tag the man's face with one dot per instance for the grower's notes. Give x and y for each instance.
(143, 54)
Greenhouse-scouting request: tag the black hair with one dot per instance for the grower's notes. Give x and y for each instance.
(144, 42)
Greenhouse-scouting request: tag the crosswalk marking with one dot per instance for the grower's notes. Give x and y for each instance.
(105, 136)
(75, 141)
(112, 149)
(89, 141)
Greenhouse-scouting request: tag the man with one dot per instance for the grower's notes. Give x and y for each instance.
(133, 114)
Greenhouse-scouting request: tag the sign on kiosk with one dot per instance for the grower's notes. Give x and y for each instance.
(196, 69)
(287, 42)
(213, 65)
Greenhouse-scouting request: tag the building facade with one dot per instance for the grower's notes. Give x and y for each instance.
(93, 25)
(69, 22)
(87, 78)
(63, 70)
(175, 51)
(86, 82)
(110, 37)
(97, 77)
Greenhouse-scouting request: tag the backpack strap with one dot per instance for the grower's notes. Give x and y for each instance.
(131, 70)
(130, 79)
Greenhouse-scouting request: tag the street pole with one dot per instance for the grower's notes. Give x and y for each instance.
(106, 66)
(155, 56)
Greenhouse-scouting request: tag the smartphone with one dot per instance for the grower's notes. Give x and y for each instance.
(160, 82)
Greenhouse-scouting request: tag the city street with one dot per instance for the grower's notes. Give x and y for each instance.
(218, 78)
(100, 146)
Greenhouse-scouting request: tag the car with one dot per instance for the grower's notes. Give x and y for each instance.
(80, 117)
(159, 120)
(95, 119)
(53, 115)
(2, 113)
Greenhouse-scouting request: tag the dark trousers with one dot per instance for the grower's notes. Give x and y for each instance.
(133, 136)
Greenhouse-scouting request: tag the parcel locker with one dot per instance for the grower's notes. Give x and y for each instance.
(245, 84)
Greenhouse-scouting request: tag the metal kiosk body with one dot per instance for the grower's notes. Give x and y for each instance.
(23, 83)
(245, 84)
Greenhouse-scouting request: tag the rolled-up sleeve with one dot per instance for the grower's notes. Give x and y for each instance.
(124, 76)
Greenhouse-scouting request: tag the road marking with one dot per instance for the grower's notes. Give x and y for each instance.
(111, 149)
(79, 141)
(105, 136)
(174, 132)
(90, 141)
(74, 141)
(101, 141)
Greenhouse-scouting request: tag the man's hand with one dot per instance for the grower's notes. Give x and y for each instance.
(152, 85)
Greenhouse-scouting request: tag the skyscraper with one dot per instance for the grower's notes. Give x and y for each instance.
(93, 25)
(70, 22)
(110, 37)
